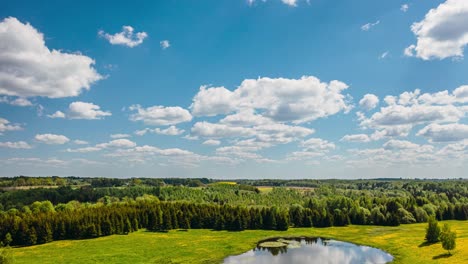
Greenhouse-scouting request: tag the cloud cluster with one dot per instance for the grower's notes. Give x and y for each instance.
(127, 37)
(29, 68)
(282, 100)
(52, 139)
(170, 131)
(20, 101)
(81, 110)
(443, 32)
(15, 145)
(5, 125)
(410, 109)
(160, 115)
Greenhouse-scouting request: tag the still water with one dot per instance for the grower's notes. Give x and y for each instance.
(311, 250)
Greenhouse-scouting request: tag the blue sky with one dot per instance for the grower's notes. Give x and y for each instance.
(234, 89)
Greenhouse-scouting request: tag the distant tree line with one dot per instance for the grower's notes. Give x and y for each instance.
(45, 223)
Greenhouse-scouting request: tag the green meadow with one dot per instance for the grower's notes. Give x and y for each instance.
(405, 243)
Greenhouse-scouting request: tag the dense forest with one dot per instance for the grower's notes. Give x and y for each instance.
(38, 210)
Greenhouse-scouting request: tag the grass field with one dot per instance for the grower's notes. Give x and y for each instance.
(405, 243)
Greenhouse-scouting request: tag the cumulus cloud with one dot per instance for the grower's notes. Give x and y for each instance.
(83, 110)
(369, 101)
(84, 150)
(57, 114)
(282, 100)
(160, 115)
(51, 139)
(318, 144)
(5, 125)
(443, 32)
(127, 37)
(394, 153)
(212, 142)
(30, 69)
(80, 142)
(16, 102)
(117, 143)
(368, 26)
(170, 131)
(410, 109)
(356, 138)
(15, 145)
(164, 44)
(120, 136)
(445, 132)
(400, 144)
(206, 129)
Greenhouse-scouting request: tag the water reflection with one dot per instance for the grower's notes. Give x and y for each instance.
(311, 250)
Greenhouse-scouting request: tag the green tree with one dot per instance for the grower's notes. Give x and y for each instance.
(7, 241)
(432, 230)
(447, 237)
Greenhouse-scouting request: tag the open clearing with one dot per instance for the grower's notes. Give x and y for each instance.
(405, 243)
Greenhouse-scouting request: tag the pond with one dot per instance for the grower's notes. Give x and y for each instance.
(310, 250)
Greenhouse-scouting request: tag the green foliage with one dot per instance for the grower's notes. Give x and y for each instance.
(448, 237)
(6, 256)
(432, 230)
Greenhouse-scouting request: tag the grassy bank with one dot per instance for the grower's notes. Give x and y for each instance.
(405, 243)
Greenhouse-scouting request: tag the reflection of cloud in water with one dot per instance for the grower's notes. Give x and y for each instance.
(318, 251)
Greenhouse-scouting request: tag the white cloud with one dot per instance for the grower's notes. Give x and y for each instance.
(212, 142)
(5, 125)
(57, 114)
(410, 109)
(281, 100)
(356, 138)
(384, 55)
(30, 69)
(20, 101)
(170, 131)
(317, 144)
(290, 2)
(15, 145)
(404, 7)
(80, 142)
(117, 143)
(120, 136)
(206, 129)
(51, 139)
(160, 115)
(127, 37)
(369, 101)
(84, 150)
(399, 144)
(164, 44)
(368, 26)
(83, 110)
(442, 33)
(444, 133)
(395, 115)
